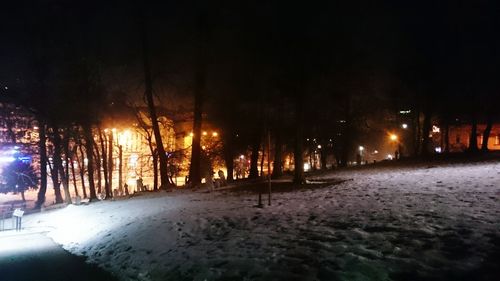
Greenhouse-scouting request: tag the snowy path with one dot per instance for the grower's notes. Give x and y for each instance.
(420, 223)
(34, 257)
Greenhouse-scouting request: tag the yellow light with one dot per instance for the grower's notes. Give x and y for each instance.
(114, 130)
(393, 137)
(204, 133)
(191, 134)
(214, 134)
(125, 137)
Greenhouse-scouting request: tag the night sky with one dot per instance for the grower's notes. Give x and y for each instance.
(390, 48)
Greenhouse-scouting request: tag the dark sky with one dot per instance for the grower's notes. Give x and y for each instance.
(413, 41)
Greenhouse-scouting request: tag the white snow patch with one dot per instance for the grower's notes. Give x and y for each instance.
(385, 224)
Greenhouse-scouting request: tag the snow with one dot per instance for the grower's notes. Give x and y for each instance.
(437, 222)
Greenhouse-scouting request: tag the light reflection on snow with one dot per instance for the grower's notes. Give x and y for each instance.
(17, 242)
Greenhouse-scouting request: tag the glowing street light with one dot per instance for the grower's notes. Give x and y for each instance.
(361, 148)
(393, 137)
(404, 126)
(215, 134)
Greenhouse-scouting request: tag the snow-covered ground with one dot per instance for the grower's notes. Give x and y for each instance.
(407, 223)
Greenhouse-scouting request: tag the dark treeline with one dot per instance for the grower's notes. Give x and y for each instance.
(258, 70)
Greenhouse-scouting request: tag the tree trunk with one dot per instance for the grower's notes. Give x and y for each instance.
(58, 169)
(323, 156)
(81, 168)
(473, 135)
(110, 162)
(151, 107)
(416, 133)
(64, 171)
(298, 175)
(199, 89)
(262, 160)
(155, 170)
(120, 169)
(228, 155)
(486, 133)
(43, 165)
(254, 158)
(97, 157)
(56, 159)
(104, 155)
(426, 130)
(74, 154)
(89, 147)
(278, 157)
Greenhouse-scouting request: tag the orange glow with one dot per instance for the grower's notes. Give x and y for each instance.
(191, 134)
(204, 133)
(393, 137)
(214, 134)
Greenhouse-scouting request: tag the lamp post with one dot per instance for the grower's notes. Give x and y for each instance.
(394, 139)
(361, 149)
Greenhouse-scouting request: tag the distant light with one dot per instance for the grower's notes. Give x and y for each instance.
(133, 159)
(361, 148)
(131, 182)
(35, 128)
(214, 134)
(438, 149)
(435, 129)
(375, 151)
(331, 140)
(242, 156)
(16, 147)
(204, 133)
(307, 167)
(191, 134)
(307, 139)
(393, 137)
(389, 156)
(203, 147)
(405, 111)
(404, 126)
(319, 146)
(6, 88)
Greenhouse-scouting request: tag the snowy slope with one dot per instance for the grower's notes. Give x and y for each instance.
(408, 223)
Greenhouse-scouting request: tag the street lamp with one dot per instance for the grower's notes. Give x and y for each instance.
(394, 139)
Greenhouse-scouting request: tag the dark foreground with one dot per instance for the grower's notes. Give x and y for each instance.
(27, 257)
